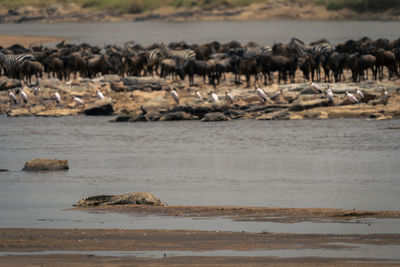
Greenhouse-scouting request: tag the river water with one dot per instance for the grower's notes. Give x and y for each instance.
(348, 163)
(263, 32)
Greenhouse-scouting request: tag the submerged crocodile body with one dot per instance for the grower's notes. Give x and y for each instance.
(138, 198)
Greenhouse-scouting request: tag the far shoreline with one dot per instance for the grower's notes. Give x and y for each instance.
(27, 40)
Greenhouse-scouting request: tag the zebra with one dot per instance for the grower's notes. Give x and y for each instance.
(180, 55)
(264, 50)
(12, 63)
(154, 58)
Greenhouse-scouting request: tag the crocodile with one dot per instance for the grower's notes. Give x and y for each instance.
(138, 198)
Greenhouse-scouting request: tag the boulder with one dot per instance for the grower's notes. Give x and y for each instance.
(215, 116)
(302, 105)
(112, 78)
(58, 112)
(103, 107)
(144, 83)
(46, 165)
(6, 83)
(177, 116)
(277, 115)
(117, 86)
(19, 112)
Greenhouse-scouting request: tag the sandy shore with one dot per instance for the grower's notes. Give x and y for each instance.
(90, 243)
(161, 242)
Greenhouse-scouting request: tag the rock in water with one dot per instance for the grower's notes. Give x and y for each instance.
(46, 165)
(215, 116)
(137, 198)
(101, 107)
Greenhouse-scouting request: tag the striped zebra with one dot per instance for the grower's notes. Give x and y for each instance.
(12, 63)
(180, 55)
(154, 58)
(264, 50)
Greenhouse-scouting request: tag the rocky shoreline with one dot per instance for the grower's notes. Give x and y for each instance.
(133, 99)
(276, 10)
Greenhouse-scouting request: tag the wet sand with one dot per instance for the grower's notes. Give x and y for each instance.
(256, 214)
(162, 242)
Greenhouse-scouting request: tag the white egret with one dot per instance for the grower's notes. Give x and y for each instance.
(351, 98)
(214, 98)
(229, 97)
(100, 95)
(175, 96)
(261, 94)
(57, 97)
(12, 97)
(78, 101)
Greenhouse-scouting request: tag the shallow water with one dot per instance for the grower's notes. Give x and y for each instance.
(352, 251)
(263, 32)
(350, 164)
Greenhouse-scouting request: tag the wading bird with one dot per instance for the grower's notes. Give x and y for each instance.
(316, 89)
(275, 95)
(12, 97)
(198, 95)
(351, 98)
(100, 95)
(261, 95)
(214, 98)
(78, 101)
(57, 97)
(36, 91)
(359, 94)
(329, 95)
(384, 96)
(24, 96)
(175, 96)
(229, 97)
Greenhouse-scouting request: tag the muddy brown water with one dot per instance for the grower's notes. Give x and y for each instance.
(348, 163)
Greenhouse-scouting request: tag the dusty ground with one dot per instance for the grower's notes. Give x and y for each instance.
(8, 40)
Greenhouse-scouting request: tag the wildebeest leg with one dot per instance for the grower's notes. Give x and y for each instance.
(247, 80)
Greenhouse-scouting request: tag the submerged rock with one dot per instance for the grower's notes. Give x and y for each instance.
(276, 115)
(41, 164)
(302, 105)
(177, 116)
(215, 116)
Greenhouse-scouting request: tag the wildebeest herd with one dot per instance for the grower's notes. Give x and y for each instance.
(318, 61)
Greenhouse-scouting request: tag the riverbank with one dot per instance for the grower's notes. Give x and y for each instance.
(149, 99)
(270, 10)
